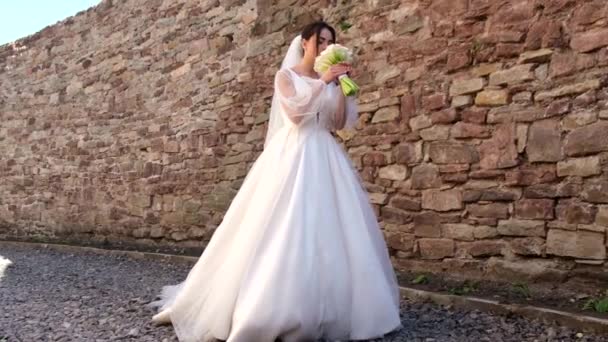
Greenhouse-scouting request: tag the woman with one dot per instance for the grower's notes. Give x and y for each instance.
(299, 255)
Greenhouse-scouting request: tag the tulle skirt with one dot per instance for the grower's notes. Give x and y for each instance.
(299, 255)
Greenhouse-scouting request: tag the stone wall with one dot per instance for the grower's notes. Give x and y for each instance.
(483, 137)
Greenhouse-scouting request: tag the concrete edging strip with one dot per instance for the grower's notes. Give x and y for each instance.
(582, 323)
(576, 321)
(115, 252)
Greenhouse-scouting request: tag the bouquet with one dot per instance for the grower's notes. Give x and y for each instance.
(335, 54)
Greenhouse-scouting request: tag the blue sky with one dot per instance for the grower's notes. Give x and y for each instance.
(21, 18)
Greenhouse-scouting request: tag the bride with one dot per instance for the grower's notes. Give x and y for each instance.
(299, 255)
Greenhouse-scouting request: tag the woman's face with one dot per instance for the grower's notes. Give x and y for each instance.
(325, 39)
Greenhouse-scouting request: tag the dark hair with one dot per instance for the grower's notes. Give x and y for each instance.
(316, 28)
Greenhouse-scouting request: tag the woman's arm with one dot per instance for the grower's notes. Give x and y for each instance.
(346, 117)
(298, 103)
(340, 116)
(347, 106)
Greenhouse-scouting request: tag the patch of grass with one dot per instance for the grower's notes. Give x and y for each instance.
(466, 288)
(344, 25)
(521, 289)
(599, 305)
(420, 279)
(476, 47)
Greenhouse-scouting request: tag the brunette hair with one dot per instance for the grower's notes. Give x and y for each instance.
(315, 28)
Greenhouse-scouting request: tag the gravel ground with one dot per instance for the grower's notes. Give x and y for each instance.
(48, 295)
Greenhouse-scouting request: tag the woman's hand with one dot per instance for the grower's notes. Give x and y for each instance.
(349, 68)
(332, 74)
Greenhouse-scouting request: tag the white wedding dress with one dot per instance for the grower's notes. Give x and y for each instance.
(299, 255)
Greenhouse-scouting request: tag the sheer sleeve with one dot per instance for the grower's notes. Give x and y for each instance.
(299, 99)
(352, 112)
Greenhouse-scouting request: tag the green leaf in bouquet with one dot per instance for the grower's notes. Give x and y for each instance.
(349, 87)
